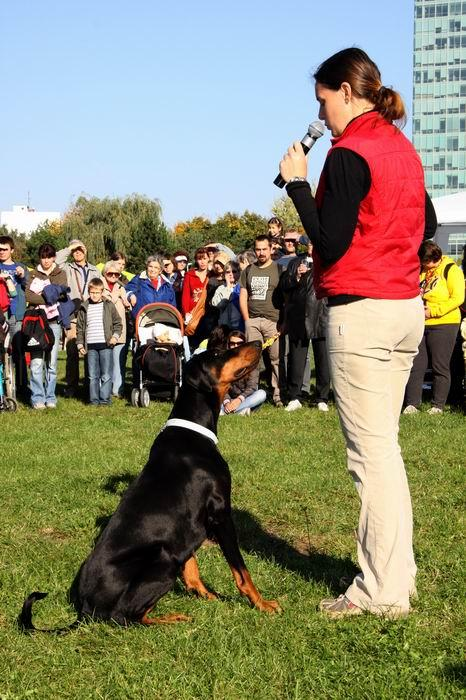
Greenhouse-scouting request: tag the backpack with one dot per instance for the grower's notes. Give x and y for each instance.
(447, 269)
(36, 331)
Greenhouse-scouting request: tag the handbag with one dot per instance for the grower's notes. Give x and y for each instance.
(197, 313)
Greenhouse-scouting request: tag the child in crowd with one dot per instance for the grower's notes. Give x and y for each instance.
(98, 328)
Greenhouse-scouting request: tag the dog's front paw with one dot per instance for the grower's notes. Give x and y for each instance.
(269, 606)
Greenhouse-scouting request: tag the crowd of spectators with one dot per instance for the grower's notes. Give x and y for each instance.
(224, 298)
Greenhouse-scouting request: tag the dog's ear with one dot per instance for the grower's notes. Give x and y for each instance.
(199, 375)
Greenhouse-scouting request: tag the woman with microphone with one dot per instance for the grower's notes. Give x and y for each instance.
(366, 222)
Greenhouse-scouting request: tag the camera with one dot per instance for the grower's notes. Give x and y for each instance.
(305, 262)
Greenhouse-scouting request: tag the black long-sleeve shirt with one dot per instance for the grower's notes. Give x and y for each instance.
(347, 182)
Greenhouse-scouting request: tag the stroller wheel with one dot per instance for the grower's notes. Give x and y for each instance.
(10, 379)
(144, 398)
(9, 404)
(135, 398)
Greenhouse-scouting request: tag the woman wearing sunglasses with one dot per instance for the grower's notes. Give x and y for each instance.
(114, 291)
(243, 396)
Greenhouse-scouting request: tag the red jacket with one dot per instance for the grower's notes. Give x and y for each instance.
(382, 260)
(192, 286)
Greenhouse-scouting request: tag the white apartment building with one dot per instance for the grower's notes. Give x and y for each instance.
(24, 219)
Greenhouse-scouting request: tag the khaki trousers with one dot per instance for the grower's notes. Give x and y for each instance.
(371, 345)
(262, 329)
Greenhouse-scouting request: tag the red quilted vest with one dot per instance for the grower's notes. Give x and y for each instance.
(382, 260)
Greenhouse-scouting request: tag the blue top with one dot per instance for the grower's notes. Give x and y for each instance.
(17, 303)
(146, 293)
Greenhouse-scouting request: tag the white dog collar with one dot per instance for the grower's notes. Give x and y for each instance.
(189, 425)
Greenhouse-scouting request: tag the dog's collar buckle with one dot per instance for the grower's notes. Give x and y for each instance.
(189, 425)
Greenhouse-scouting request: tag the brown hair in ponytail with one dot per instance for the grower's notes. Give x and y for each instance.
(354, 66)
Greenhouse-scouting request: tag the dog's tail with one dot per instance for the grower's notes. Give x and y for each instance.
(25, 623)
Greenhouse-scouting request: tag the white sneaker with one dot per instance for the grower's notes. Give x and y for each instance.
(410, 409)
(322, 406)
(294, 405)
(434, 410)
(244, 412)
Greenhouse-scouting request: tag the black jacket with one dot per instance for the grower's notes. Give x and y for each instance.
(302, 315)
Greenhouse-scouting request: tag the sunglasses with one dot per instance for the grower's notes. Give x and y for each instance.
(113, 274)
(234, 344)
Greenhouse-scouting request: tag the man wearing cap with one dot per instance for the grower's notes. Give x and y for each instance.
(79, 273)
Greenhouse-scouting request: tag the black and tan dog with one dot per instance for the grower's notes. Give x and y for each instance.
(181, 497)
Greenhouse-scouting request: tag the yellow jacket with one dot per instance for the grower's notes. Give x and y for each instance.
(441, 296)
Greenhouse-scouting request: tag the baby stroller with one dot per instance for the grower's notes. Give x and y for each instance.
(7, 370)
(157, 353)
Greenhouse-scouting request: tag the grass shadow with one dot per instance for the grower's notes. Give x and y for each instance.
(118, 483)
(455, 673)
(311, 565)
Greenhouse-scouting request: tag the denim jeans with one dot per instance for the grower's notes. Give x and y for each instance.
(100, 364)
(43, 388)
(119, 369)
(253, 402)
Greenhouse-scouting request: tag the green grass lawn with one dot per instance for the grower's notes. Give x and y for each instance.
(296, 509)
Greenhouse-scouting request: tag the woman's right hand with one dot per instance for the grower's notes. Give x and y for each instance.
(302, 269)
(294, 162)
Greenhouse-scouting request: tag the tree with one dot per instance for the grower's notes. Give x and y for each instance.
(191, 234)
(19, 240)
(234, 230)
(48, 232)
(133, 225)
(284, 208)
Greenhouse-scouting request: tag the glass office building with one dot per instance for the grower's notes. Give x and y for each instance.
(439, 94)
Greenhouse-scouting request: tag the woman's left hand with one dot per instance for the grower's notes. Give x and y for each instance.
(294, 162)
(427, 313)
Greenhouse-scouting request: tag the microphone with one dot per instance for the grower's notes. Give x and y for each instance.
(314, 132)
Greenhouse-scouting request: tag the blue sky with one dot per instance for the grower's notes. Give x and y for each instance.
(189, 102)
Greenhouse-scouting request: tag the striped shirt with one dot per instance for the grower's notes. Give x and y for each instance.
(95, 324)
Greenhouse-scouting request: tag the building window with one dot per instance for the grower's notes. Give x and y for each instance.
(456, 242)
